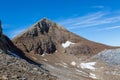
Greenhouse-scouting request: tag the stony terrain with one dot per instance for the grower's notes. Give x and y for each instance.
(13, 68)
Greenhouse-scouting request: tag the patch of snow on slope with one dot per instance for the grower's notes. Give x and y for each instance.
(89, 65)
(61, 64)
(43, 55)
(45, 59)
(92, 76)
(79, 71)
(13, 54)
(67, 44)
(64, 63)
(73, 63)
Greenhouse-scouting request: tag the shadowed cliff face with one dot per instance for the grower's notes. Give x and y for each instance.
(46, 36)
(6, 44)
(0, 28)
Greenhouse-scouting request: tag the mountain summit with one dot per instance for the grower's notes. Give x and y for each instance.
(46, 36)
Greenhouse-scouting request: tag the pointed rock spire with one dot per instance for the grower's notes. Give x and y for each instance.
(0, 28)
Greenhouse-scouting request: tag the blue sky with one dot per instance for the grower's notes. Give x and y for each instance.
(96, 20)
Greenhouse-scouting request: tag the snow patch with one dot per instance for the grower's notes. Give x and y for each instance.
(92, 76)
(62, 64)
(13, 54)
(89, 65)
(67, 44)
(43, 55)
(73, 63)
(56, 51)
(45, 59)
(79, 71)
(34, 58)
(65, 66)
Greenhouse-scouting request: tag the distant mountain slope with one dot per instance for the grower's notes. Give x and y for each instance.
(111, 56)
(47, 37)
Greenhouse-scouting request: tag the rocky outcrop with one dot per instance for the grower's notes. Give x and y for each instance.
(13, 68)
(0, 28)
(7, 45)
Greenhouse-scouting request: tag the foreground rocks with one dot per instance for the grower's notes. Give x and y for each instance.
(12, 68)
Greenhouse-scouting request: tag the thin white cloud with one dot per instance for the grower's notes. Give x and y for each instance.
(91, 20)
(109, 28)
(80, 19)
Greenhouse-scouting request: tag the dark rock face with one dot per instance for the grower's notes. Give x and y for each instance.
(5, 42)
(7, 45)
(46, 46)
(84, 49)
(0, 28)
(38, 46)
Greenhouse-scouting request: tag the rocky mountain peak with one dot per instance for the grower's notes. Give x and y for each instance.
(45, 26)
(40, 37)
(45, 36)
(42, 27)
(45, 20)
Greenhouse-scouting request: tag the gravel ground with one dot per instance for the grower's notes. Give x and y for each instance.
(12, 68)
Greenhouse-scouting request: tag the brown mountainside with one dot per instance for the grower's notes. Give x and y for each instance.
(47, 37)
